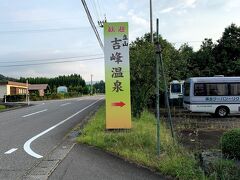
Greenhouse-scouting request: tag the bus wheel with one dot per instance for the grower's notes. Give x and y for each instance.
(222, 111)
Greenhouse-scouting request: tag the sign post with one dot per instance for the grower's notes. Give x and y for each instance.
(117, 75)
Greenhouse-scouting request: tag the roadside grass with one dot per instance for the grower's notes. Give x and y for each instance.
(224, 169)
(139, 145)
(2, 107)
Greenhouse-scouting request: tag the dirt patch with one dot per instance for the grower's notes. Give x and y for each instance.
(199, 131)
(200, 139)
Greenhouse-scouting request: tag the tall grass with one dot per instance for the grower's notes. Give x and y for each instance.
(2, 107)
(139, 145)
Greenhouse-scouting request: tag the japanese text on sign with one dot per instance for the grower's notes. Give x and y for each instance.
(116, 52)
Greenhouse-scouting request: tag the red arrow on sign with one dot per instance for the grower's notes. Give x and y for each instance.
(121, 104)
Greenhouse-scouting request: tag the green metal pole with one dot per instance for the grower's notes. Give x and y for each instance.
(166, 96)
(158, 51)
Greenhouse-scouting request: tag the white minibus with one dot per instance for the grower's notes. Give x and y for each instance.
(214, 95)
(176, 89)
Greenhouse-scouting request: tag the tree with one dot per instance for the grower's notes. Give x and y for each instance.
(74, 82)
(203, 61)
(99, 87)
(143, 68)
(227, 52)
(141, 73)
(4, 78)
(184, 63)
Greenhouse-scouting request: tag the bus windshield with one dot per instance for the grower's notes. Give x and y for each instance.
(176, 88)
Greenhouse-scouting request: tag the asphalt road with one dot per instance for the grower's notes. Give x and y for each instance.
(28, 134)
(89, 163)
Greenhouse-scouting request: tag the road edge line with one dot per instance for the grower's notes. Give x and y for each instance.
(27, 144)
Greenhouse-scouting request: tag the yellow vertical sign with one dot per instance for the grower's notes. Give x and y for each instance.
(117, 75)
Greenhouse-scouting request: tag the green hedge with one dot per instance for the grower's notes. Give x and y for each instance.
(15, 98)
(49, 96)
(230, 143)
(36, 97)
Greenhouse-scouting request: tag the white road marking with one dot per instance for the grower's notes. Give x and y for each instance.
(11, 151)
(27, 145)
(34, 113)
(65, 104)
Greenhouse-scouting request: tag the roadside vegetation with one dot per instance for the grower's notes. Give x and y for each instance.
(2, 107)
(50, 96)
(47, 96)
(139, 145)
(230, 143)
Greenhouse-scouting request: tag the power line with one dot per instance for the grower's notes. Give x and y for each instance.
(186, 42)
(100, 9)
(95, 9)
(50, 59)
(40, 30)
(103, 7)
(101, 22)
(92, 23)
(58, 62)
(40, 20)
(193, 41)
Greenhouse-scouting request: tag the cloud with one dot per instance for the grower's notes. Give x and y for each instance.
(137, 19)
(167, 10)
(189, 3)
(180, 7)
(180, 21)
(123, 5)
(57, 51)
(233, 4)
(138, 25)
(85, 69)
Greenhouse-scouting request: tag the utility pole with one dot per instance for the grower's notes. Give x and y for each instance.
(91, 85)
(92, 23)
(151, 26)
(101, 23)
(27, 97)
(166, 97)
(158, 51)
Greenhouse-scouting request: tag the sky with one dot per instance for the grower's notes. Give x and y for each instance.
(38, 30)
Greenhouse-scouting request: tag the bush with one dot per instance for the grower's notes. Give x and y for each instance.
(15, 98)
(49, 96)
(230, 142)
(57, 96)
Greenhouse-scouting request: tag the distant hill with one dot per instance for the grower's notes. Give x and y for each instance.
(4, 78)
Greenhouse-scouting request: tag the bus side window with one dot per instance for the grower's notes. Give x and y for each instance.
(199, 89)
(222, 89)
(212, 89)
(234, 89)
